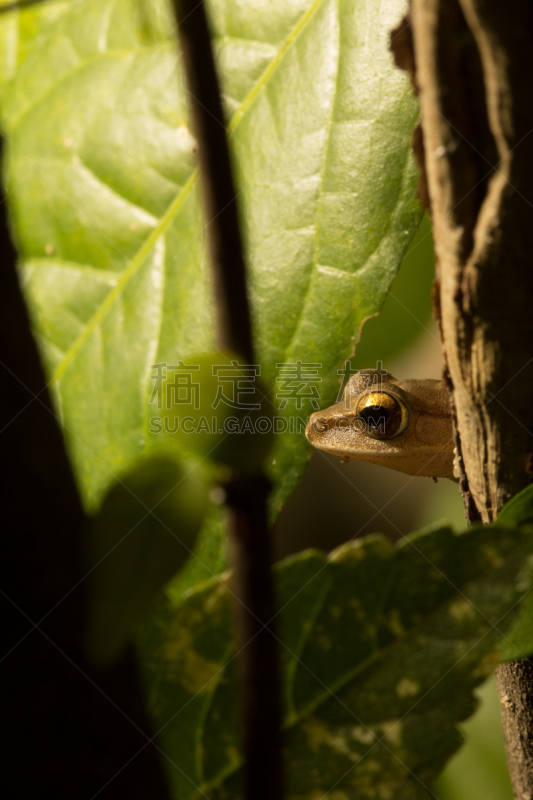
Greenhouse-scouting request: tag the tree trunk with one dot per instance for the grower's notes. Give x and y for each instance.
(471, 61)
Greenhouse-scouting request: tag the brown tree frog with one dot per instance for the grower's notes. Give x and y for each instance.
(404, 425)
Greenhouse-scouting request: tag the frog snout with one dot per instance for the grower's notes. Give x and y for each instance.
(320, 424)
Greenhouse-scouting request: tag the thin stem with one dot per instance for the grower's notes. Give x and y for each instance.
(234, 329)
(246, 497)
(19, 5)
(258, 667)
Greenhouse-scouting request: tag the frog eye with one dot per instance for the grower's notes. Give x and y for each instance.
(381, 415)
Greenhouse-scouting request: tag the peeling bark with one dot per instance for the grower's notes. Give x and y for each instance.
(514, 687)
(473, 68)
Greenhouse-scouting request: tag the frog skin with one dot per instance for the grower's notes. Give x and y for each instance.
(403, 425)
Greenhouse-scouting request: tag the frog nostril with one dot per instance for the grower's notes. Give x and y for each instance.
(320, 425)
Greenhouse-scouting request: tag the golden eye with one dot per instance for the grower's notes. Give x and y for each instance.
(381, 415)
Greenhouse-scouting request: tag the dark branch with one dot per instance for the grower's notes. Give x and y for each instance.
(258, 665)
(246, 497)
(61, 736)
(19, 5)
(234, 330)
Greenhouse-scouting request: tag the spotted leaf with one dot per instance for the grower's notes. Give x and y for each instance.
(381, 647)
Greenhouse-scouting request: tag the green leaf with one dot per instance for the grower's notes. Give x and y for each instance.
(19, 29)
(519, 509)
(381, 648)
(106, 208)
(219, 431)
(407, 309)
(142, 535)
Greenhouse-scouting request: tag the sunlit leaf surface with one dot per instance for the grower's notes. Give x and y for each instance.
(105, 201)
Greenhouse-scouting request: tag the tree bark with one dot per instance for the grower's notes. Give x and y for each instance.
(472, 64)
(514, 687)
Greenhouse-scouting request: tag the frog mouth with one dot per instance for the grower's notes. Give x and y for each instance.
(422, 461)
